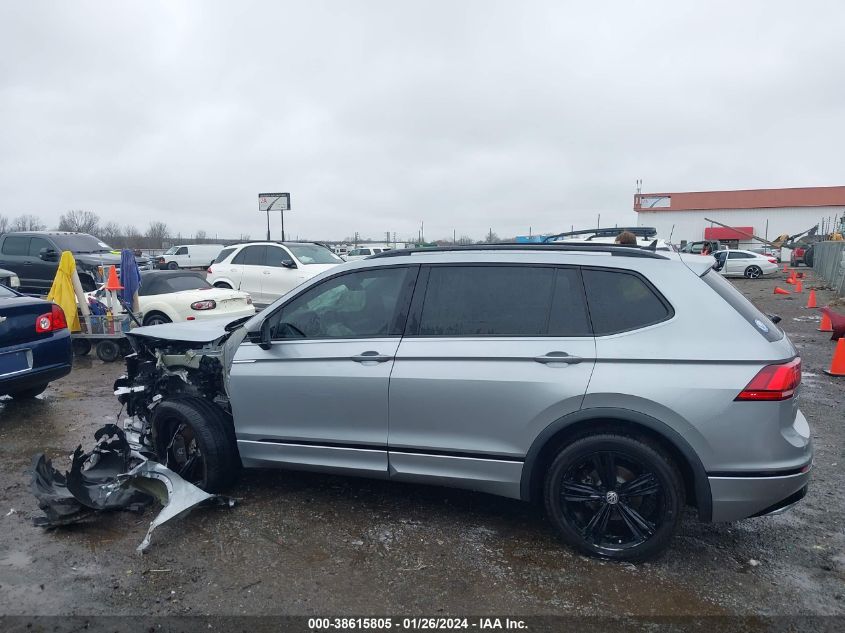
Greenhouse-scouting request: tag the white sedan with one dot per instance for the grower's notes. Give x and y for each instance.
(736, 263)
(166, 296)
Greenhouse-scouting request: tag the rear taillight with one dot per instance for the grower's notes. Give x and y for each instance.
(774, 382)
(772, 260)
(208, 270)
(52, 321)
(205, 304)
(248, 300)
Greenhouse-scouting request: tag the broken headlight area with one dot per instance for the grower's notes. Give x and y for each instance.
(112, 476)
(164, 368)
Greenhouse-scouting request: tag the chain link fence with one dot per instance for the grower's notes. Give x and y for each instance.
(829, 264)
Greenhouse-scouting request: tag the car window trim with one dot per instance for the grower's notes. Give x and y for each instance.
(405, 295)
(412, 327)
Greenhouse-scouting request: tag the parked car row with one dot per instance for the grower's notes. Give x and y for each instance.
(34, 257)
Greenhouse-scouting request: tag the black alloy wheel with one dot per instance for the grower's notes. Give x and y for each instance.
(614, 497)
(753, 272)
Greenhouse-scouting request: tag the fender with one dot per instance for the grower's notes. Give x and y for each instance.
(701, 483)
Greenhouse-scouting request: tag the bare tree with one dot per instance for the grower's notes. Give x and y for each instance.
(79, 221)
(27, 222)
(4, 224)
(156, 234)
(111, 233)
(132, 237)
(200, 236)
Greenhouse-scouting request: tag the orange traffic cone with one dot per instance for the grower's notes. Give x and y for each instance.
(786, 268)
(837, 363)
(781, 291)
(811, 300)
(113, 282)
(799, 287)
(790, 280)
(825, 325)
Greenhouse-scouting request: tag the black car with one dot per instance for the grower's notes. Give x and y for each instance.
(34, 257)
(34, 344)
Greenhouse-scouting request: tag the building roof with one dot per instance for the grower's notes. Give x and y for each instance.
(741, 199)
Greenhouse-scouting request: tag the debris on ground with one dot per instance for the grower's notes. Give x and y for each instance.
(110, 477)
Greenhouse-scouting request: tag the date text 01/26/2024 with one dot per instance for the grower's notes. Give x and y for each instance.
(416, 624)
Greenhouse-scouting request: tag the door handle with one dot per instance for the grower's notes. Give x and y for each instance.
(371, 357)
(558, 357)
(266, 272)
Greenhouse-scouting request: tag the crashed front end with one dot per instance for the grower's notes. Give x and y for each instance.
(130, 467)
(174, 361)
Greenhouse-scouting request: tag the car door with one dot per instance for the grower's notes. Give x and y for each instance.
(280, 274)
(43, 271)
(737, 261)
(15, 257)
(250, 266)
(315, 395)
(491, 356)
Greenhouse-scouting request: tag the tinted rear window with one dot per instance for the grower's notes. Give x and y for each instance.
(487, 301)
(223, 255)
(741, 304)
(621, 301)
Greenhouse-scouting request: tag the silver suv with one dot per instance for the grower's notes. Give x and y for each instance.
(613, 384)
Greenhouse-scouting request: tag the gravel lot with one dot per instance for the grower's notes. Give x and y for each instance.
(314, 544)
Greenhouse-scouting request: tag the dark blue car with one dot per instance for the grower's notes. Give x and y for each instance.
(34, 344)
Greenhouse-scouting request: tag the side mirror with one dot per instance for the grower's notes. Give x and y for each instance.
(261, 336)
(289, 264)
(48, 255)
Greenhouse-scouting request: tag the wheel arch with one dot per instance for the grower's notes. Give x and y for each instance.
(627, 422)
(157, 309)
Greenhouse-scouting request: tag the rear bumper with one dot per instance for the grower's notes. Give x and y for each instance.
(33, 378)
(736, 498)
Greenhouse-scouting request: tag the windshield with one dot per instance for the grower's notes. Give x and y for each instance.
(172, 250)
(313, 254)
(81, 243)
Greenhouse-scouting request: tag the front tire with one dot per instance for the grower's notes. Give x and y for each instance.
(172, 266)
(615, 497)
(753, 272)
(196, 439)
(223, 284)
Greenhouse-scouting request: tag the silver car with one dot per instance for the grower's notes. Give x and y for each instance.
(612, 384)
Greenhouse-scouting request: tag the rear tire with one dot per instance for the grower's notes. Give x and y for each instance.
(25, 394)
(196, 439)
(753, 272)
(108, 351)
(81, 346)
(156, 318)
(609, 520)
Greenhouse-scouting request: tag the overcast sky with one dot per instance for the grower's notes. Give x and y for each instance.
(379, 115)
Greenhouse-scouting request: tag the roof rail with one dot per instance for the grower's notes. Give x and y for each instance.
(639, 231)
(617, 250)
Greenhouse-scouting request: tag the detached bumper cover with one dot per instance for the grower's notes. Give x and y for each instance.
(736, 498)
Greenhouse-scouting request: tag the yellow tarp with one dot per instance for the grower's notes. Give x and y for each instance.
(62, 292)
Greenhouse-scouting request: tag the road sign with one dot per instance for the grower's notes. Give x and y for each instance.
(273, 202)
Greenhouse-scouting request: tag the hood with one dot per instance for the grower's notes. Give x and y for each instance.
(206, 331)
(96, 259)
(315, 269)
